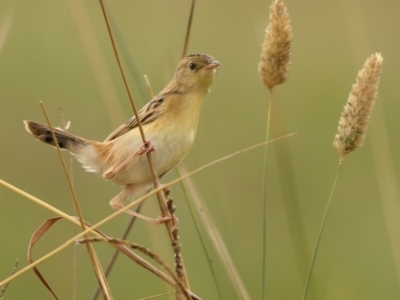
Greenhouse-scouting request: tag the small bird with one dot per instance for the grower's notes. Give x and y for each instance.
(169, 123)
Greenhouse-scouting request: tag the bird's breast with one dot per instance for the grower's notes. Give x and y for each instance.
(171, 144)
(172, 135)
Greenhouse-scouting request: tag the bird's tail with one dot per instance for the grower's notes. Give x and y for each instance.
(65, 140)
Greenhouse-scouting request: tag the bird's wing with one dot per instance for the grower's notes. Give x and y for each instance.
(149, 113)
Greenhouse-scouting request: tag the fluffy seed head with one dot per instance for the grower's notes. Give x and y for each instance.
(354, 120)
(273, 67)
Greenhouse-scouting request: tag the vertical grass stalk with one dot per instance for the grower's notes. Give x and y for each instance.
(273, 69)
(352, 128)
(160, 195)
(264, 205)
(197, 226)
(101, 278)
(314, 255)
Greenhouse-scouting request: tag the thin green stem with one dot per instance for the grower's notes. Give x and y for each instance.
(264, 205)
(320, 232)
(3, 289)
(197, 226)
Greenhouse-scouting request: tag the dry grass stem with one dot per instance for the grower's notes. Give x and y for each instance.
(160, 196)
(102, 280)
(156, 296)
(147, 252)
(188, 29)
(176, 245)
(354, 120)
(273, 67)
(140, 261)
(215, 236)
(150, 90)
(114, 257)
(116, 213)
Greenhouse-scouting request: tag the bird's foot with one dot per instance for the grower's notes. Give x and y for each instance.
(144, 149)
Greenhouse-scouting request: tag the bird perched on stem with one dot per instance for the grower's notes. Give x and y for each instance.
(169, 123)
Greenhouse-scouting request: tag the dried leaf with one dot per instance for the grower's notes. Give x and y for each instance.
(35, 237)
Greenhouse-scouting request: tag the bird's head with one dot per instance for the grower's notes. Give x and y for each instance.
(196, 72)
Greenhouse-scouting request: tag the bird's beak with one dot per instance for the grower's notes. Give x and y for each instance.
(212, 65)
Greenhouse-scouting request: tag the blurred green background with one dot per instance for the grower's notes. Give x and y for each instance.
(59, 52)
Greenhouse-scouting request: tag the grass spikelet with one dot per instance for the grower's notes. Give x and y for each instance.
(273, 67)
(354, 120)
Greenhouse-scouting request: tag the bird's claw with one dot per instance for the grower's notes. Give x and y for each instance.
(146, 148)
(162, 220)
(110, 173)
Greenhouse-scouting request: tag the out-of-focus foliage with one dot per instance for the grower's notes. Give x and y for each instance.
(58, 52)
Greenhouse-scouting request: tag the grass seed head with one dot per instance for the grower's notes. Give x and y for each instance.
(354, 120)
(273, 67)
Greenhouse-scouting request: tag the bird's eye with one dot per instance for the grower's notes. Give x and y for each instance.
(192, 66)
